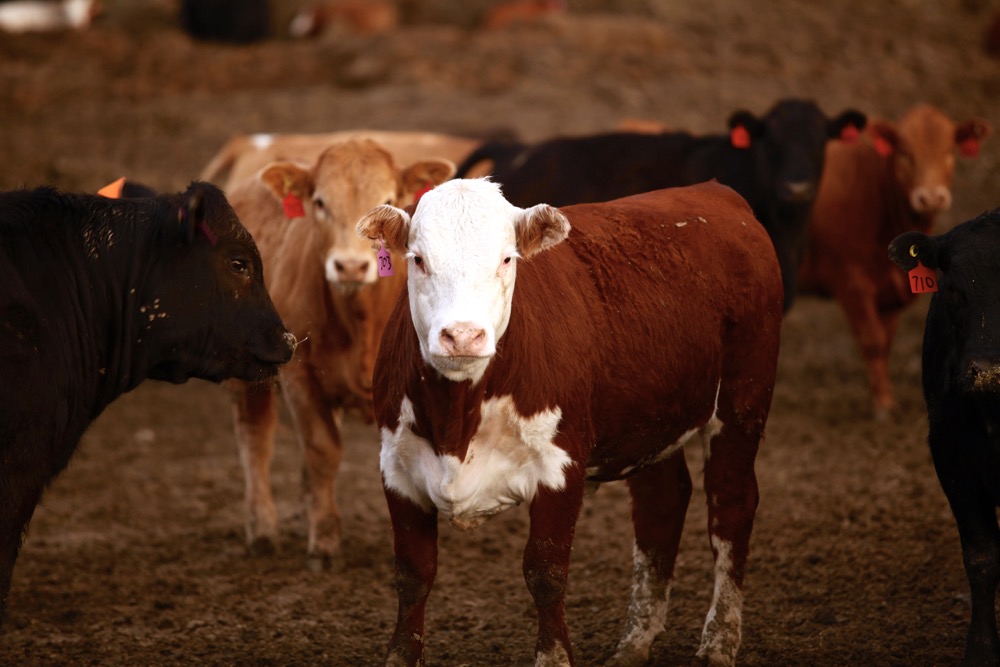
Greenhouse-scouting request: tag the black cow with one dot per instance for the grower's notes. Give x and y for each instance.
(774, 162)
(961, 381)
(98, 294)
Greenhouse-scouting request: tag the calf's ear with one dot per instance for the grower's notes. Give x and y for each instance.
(912, 247)
(884, 136)
(285, 178)
(539, 228)
(838, 127)
(743, 128)
(191, 214)
(386, 224)
(421, 177)
(970, 135)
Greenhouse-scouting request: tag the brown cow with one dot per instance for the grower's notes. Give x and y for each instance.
(322, 279)
(654, 320)
(244, 155)
(872, 191)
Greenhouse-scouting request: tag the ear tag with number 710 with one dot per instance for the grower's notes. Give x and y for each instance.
(922, 279)
(384, 261)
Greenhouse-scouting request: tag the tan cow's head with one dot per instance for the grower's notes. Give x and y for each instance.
(921, 146)
(347, 180)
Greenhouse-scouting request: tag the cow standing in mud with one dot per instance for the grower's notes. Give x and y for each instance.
(598, 366)
(97, 295)
(325, 285)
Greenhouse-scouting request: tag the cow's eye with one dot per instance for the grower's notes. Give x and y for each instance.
(418, 260)
(318, 201)
(240, 266)
(506, 260)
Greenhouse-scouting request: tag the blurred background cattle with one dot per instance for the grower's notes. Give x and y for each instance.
(137, 552)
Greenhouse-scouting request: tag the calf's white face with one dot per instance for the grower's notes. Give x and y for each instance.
(463, 243)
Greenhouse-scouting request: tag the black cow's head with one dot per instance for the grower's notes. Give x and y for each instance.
(965, 312)
(792, 137)
(787, 148)
(204, 311)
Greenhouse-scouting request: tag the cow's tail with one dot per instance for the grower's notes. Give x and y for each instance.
(220, 165)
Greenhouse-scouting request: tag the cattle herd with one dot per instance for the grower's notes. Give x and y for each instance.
(520, 322)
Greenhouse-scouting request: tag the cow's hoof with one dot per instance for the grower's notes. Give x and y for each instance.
(323, 562)
(262, 546)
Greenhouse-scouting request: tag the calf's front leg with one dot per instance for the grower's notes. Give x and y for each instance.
(546, 566)
(415, 544)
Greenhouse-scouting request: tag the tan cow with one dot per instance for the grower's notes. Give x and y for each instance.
(245, 154)
(324, 283)
(897, 180)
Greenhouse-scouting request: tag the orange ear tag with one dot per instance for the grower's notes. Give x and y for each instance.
(384, 261)
(113, 190)
(922, 280)
(739, 137)
(293, 207)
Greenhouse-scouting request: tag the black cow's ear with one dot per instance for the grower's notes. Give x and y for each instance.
(847, 119)
(746, 120)
(189, 215)
(912, 247)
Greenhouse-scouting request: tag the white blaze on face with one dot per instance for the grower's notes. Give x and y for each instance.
(463, 256)
(509, 457)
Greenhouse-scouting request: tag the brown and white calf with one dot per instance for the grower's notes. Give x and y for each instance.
(645, 322)
(322, 278)
(897, 180)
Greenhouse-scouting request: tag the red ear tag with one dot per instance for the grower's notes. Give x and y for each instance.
(293, 207)
(922, 280)
(384, 261)
(883, 147)
(849, 133)
(969, 147)
(207, 232)
(421, 192)
(739, 137)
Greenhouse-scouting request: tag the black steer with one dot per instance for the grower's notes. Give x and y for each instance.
(774, 162)
(961, 382)
(98, 294)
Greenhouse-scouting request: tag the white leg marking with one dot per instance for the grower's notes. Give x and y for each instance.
(557, 657)
(647, 612)
(720, 640)
(712, 427)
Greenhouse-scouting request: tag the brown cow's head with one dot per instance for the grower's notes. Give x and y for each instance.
(921, 148)
(347, 180)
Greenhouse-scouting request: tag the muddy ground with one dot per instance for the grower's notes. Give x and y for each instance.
(136, 556)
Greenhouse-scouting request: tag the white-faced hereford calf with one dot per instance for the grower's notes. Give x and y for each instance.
(98, 294)
(872, 191)
(323, 279)
(653, 319)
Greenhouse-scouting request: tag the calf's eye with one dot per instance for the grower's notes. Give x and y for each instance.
(239, 266)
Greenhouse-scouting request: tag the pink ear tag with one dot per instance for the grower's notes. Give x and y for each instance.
(922, 280)
(384, 261)
(969, 147)
(739, 137)
(293, 207)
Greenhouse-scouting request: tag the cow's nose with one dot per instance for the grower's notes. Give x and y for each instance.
(799, 190)
(290, 341)
(463, 340)
(351, 270)
(930, 199)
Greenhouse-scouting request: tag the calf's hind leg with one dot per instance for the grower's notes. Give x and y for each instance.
(660, 496)
(732, 495)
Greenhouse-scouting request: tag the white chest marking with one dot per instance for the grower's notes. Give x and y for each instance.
(508, 458)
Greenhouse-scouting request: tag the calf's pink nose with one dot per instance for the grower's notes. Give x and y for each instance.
(463, 340)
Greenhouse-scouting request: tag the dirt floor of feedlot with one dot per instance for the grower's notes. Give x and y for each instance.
(136, 557)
